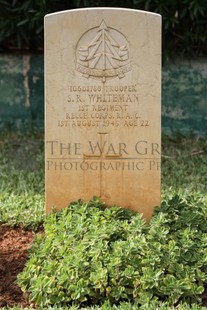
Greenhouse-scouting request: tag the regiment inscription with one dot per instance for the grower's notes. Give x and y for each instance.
(102, 108)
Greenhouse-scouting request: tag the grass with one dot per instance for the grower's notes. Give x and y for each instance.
(22, 180)
(184, 168)
(184, 165)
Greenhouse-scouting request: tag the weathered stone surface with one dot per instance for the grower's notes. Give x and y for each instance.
(103, 93)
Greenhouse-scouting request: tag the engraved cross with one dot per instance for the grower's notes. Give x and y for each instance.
(102, 156)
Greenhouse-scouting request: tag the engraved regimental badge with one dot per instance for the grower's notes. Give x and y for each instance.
(103, 53)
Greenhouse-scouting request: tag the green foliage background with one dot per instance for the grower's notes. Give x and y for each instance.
(184, 21)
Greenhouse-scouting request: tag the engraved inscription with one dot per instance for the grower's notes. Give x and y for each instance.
(102, 107)
(103, 53)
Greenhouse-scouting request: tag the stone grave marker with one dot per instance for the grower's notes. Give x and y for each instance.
(103, 107)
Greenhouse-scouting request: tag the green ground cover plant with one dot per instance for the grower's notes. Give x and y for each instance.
(97, 258)
(91, 254)
(123, 306)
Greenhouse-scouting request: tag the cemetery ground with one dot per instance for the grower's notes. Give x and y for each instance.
(171, 249)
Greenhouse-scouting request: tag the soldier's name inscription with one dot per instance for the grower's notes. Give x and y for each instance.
(109, 106)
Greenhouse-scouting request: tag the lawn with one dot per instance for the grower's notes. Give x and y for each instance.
(181, 222)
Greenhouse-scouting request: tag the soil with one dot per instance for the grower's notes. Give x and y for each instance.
(14, 246)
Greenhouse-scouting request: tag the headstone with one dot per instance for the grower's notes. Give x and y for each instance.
(103, 102)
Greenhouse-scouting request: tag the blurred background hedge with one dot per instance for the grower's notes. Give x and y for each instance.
(184, 22)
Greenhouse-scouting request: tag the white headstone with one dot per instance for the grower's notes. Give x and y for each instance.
(103, 107)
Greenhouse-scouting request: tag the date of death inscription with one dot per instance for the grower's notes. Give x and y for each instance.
(105, 106)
